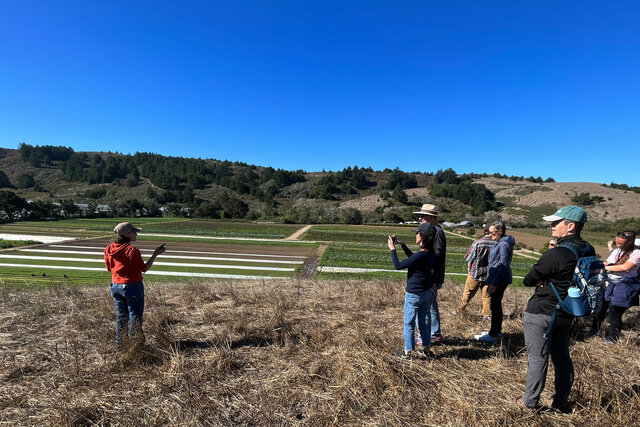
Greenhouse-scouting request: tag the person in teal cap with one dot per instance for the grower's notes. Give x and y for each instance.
(557, 266)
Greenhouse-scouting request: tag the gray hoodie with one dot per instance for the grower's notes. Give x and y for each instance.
(500, 262)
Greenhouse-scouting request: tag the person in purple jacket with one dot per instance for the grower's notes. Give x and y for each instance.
(419, 289)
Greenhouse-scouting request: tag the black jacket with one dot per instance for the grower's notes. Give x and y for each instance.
(556, 265)
(440, 249)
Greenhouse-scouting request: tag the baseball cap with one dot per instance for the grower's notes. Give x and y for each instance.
(572, 213)
(426, 228)
(124, 228)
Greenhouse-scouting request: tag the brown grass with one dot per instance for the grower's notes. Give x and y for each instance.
(284, 353)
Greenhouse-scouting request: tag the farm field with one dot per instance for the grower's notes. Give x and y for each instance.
(361, 251)
(92, 227)
(232, 251)
(201, 249)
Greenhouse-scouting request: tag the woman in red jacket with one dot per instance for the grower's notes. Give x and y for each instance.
(125, 263)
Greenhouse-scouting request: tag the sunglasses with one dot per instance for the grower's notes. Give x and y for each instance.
(626, 234)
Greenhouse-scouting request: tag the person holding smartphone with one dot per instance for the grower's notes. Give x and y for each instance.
(125, 263)
(419, 289)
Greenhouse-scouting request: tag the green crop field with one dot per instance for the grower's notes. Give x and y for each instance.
(224, 229)
(353, 252)
(365, 247)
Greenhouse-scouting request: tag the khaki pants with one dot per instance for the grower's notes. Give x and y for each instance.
(470, 288)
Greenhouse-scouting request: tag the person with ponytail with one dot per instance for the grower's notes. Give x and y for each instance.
(419, 289)
(623, 287)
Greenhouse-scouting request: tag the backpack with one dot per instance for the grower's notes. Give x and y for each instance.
(586, 294)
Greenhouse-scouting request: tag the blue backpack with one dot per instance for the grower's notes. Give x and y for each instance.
(586, 294)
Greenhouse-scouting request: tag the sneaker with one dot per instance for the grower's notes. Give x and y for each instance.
(425, 353)
(522, 405)
(481, 334)
(608, 341)
(402, 355)
(488, 339)
(436, 338)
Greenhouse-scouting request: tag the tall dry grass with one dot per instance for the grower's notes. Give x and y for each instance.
(284, 353)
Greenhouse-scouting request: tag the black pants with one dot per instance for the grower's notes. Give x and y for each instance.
(599, 316)
(615, 321)
(496, 311)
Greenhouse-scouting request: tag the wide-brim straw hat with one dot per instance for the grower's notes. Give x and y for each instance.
(428, 209)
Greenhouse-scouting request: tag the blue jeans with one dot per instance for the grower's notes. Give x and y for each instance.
(435, 314)
(129, 299)
(416, 305)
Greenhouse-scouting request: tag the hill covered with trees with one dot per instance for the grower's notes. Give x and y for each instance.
(45, 181)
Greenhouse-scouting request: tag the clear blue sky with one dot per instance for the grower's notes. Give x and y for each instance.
(542, 88)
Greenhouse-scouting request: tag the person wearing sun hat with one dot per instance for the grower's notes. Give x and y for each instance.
(556, 266)
(428, 213)
(124, 261)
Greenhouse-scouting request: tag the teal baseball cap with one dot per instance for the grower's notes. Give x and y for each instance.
(571, 213)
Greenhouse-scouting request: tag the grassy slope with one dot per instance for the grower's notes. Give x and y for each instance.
(285, 353)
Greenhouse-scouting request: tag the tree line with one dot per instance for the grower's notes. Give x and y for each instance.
(175, 184)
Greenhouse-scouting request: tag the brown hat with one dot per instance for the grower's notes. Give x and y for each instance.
(124, 228)
(428, 209)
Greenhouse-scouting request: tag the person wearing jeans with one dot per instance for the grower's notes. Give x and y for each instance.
(124, 261)
(129, 299)
(428, 213)
(419, 288)
(416, 306)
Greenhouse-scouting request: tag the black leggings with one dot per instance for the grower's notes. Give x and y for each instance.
(496, 311)
(599, 316)
(615, 321)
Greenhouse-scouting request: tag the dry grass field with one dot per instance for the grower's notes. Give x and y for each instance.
(285, 352)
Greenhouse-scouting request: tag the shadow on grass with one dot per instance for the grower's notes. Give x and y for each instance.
(472, 349)
(251, 341)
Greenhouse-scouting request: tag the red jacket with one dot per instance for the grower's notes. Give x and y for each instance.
(124, 261)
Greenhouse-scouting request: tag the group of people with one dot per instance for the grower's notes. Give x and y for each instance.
(546, 330)
(489, 264)
(489, 261)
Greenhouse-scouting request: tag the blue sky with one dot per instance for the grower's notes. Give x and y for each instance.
(542, 88)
